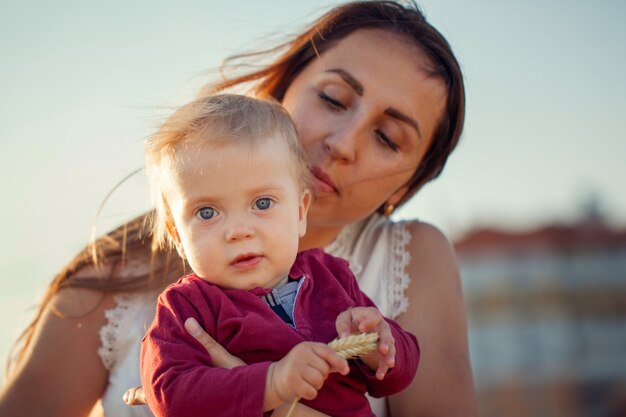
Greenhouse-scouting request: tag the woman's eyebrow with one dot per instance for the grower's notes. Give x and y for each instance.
(358, 89)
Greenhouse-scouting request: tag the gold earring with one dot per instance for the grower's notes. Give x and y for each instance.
(389, 208)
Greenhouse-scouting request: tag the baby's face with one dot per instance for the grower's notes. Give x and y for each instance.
(238, 212)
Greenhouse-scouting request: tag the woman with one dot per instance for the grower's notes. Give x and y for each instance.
(378, 100)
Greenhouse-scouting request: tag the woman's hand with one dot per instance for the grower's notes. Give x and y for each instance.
(221, 357)
(369, 319)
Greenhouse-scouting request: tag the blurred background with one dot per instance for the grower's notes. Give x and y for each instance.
(533, 197)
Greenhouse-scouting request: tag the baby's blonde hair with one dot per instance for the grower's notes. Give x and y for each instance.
(213, 121)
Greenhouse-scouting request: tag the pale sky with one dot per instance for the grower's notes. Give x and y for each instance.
(83, 83)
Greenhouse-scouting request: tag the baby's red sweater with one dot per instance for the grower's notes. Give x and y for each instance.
(177, 372)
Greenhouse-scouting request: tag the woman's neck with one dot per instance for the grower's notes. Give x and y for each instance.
(319, 236)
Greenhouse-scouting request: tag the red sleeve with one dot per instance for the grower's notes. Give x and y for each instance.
(407, 347)
(176, 370)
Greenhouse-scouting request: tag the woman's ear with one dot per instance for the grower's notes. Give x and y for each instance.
(305, 202)
(173, 233)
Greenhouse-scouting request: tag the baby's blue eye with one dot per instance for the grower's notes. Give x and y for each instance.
(206, 213)
(263, 203)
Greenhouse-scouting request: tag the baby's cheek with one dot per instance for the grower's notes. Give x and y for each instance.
(203, 266)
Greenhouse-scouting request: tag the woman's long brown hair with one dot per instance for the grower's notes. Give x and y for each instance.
(132, 241)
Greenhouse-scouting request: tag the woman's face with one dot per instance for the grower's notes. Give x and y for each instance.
(365, 111)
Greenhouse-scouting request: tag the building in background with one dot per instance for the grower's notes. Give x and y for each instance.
(547, 316)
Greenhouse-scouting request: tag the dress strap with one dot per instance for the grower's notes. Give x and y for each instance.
(399, 279)
(110, 332)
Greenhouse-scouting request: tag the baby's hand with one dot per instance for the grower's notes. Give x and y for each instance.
(369, 319)
(302, 372)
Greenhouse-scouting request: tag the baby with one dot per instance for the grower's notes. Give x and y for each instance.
(230, 184)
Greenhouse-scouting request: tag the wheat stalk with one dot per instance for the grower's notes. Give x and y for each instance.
(355, 345)
(349, 347)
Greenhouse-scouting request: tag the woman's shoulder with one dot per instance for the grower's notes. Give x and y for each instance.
(423, 265)
(113, 316)
(377, 226)
(432, 266)
(418, 230)
(426, 236)
(401, 238)
(429, 243)
(84, 300)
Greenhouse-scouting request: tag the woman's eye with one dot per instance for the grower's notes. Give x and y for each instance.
(386, 140)
(335, 104)
(263, 203)
(206, 213)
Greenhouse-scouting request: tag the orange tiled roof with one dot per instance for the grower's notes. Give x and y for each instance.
(585, 235)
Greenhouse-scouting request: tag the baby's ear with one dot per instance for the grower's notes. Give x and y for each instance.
(173, 233)
(305, 202)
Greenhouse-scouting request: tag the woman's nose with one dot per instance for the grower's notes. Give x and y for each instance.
(342, 144)
(237, 231)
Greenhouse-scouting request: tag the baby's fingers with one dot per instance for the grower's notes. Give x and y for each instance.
(336, 362)
(343, 323)
(387, 351)
(386, 361)
(366, 319)
(385, 339)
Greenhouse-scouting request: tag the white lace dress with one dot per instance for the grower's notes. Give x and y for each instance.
(376, 249)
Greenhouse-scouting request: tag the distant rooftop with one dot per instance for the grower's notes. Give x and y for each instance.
(588, 234)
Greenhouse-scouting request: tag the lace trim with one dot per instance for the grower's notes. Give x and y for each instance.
(110, 333)
(399, 280)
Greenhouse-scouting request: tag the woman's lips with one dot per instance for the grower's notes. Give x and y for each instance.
(246, 261)
(322, 182)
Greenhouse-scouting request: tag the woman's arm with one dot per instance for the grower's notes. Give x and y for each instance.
(61, 374)
(443, 385)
